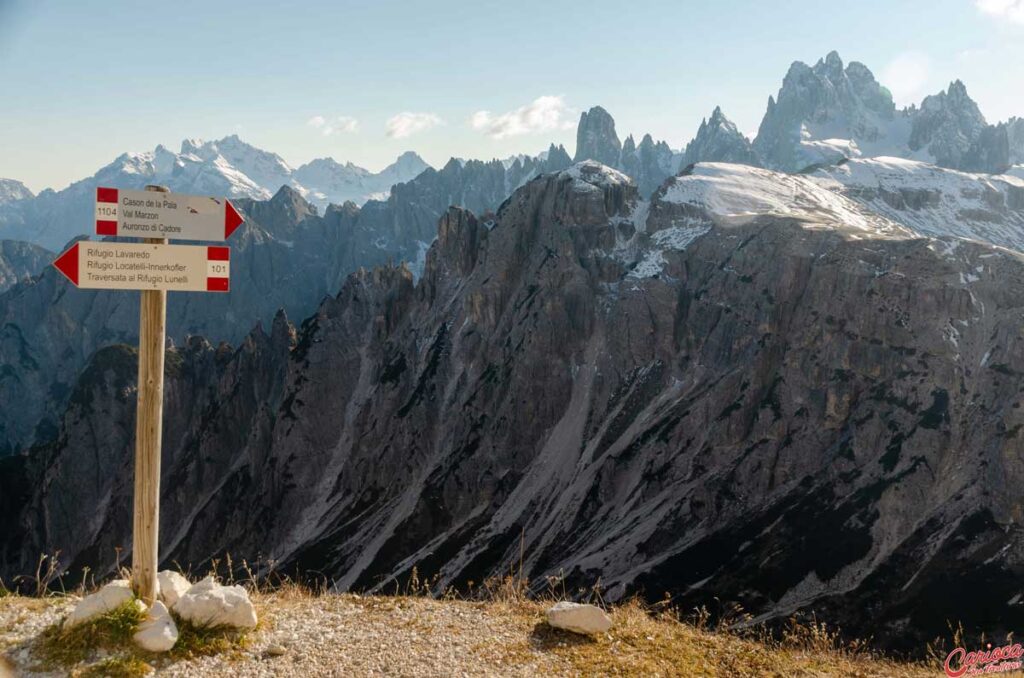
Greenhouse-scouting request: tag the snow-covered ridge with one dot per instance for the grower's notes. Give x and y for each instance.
(934, 201)
(11, 190)
(593, 173)
(228, 167)
(730, 194)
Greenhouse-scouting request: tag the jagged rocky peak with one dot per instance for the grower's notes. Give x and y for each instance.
(331, 168)
(825, 112)
(407, 165)
(596, 138)
(282, 213)
(947, 125)
(831, 66)
(718, 140)
(460, 239)
(649, 163)
(557, 158)
(282, 331)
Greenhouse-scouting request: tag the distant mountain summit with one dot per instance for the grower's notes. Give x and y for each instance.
(827, 112)
(596, 138)
(822, 115)
(335, 183)
(947, 126)
(718, 140)
(648, 164)
(228, 167)
(11, 190)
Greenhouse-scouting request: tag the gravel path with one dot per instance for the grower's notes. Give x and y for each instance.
(338, 635)
(350, 635)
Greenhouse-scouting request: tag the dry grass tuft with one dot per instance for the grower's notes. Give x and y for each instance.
(117, 667)
(646, 643)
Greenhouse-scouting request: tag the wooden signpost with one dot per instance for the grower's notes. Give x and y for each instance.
(154, 267)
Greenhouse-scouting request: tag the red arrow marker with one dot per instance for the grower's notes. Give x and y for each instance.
(232, 219)
(67, 264)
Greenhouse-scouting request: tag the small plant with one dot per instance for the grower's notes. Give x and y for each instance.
(47, 571)
(63, 646)
(202, 641)
(508, 589)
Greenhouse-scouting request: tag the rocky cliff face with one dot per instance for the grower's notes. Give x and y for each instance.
(750, 388)
(947, 125)
(285, 256)
(648, 164)
(596, 138)
(20, 260)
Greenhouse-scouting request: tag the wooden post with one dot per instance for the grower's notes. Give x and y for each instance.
(148, 431)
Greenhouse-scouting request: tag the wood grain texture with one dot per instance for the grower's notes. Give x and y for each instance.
(148, 432)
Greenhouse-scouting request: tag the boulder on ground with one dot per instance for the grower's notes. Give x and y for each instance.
(158, 632)
(207, 603)
(587, 619)
(110, 597)
(172, 585)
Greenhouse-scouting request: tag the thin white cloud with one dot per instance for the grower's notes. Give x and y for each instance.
(1011, 10)
(406, 124)
(341, 123)
(543, 114)
(906, 76)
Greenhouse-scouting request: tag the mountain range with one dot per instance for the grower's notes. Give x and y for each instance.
(228, 167)
(821, 114)
(784, 372)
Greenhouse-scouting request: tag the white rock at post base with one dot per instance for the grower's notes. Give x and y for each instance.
(588, 619)
(158, 633)
(208, 603)
(110, 597)
(172, 586)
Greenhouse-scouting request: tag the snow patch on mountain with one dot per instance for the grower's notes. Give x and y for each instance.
(591, 173)
(735, 194)
(934, 201)
(11, 190)
(228, 167)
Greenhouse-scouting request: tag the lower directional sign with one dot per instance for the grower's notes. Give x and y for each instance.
(143, 266)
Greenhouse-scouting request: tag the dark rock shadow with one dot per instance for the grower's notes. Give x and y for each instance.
(547, 637)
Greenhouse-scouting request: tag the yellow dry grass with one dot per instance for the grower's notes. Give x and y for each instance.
(640, 644)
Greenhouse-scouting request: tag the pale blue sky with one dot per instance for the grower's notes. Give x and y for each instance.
(86, 80)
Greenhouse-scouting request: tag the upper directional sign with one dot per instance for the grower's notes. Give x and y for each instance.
(146, 266)
(150, 214)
